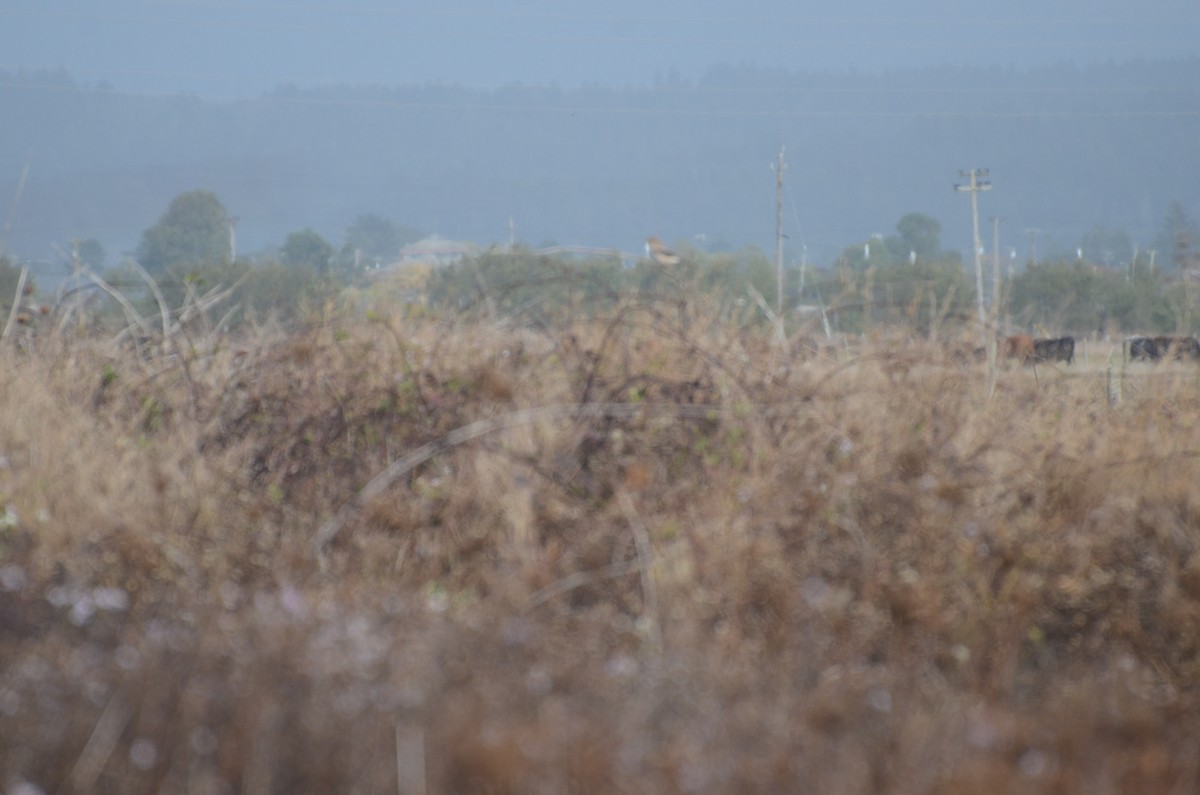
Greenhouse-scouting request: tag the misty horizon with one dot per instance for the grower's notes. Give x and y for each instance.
(241, 49)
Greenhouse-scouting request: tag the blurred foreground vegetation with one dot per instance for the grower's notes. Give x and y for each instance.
(652, 548)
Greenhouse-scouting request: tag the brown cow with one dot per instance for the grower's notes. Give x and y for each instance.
(1019, 347)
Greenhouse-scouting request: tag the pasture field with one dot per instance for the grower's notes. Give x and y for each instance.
(637, 554)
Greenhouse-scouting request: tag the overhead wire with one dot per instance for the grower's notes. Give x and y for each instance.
(318, 98)
(1143, 15)
(688, 88)
(359, 23)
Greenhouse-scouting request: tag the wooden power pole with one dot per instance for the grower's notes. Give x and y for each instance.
(977, 182)
(1033, 238)
(996, 221)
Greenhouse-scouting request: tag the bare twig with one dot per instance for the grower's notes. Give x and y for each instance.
(131, 313)
(641, 540)
(410, 760)
(481, 284)
(581, 578)
(168, 339)
(158, 297)
(225, 318)
(776, 320)
(381, 482)
(16, 304)
(101, 744)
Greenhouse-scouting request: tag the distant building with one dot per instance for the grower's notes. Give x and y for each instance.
(436, 250)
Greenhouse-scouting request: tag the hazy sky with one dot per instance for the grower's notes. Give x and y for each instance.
(244, 47)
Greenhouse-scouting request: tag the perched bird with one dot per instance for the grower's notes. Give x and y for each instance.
(657, 251)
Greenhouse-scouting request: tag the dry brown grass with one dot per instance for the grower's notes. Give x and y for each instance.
(736, 571)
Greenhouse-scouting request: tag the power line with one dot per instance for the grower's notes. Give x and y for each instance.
(482, 10)
(621, 88)
(360, 9)
(657, 39)
(618, 110)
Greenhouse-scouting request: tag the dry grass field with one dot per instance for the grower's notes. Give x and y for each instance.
(642, 554)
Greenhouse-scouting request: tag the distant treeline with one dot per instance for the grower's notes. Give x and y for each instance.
(526, 288)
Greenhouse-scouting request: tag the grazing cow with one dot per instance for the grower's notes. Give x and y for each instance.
(1019, 347)
(1054, 350)
(1177, 347)
(1143, 349)
(1153, 349)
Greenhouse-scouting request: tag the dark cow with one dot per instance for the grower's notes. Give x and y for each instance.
(1153, 349)
(1143, 349)
(1061, 349)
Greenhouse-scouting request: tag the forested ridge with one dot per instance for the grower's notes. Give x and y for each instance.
(1069, 149)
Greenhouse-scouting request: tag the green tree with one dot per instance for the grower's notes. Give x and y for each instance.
(193, 232)
(508, 281)
(726, 275)
(306, 249)
(871, 253)
(1072, 296)
(918, 233)
(906, 277)
(283, 292)
(1179, 238)
(374, 237)
(1109, 247)
(91, 253)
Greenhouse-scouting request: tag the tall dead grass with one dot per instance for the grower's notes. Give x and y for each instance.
(728, 569)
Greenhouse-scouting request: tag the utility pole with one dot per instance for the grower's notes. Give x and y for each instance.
(976, 184)
(997, 295)
(1033, 236)
(996, 220)
(778, 168)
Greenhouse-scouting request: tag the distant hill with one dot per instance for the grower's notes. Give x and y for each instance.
(1069, 149)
